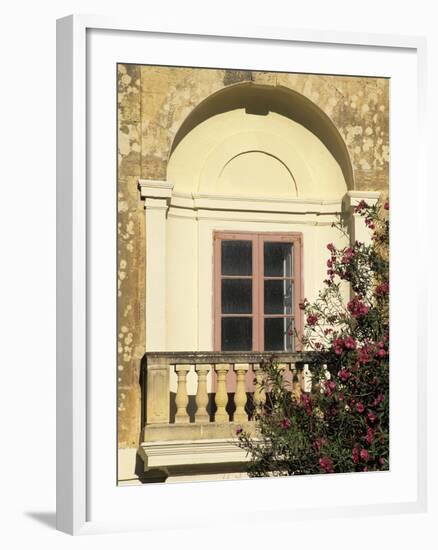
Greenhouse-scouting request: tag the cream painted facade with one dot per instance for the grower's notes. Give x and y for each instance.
(249, 157)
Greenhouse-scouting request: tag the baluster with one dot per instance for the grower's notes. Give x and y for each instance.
(240, 414)
(307, 379)
(201, 394)
(182, 398)
(221, 414)
(259, 396)
(296, 381)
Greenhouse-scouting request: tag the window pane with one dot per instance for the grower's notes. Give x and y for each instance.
(236, 258)
(279, 334)
(236, 295)
(278, 297)
(278, 259)
(236, 333)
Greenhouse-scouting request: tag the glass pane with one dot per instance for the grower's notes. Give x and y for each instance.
(278, 259)
(236, 295)
(279, 334)
(278, 297)
(236, 333)
(236, 258)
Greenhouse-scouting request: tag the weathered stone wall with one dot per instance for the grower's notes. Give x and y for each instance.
(153, 102)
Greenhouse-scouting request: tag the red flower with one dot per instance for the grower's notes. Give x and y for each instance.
(347, 256)
(382, 289)
(378, 399)
(329, 386)
(364, 355)
(286, 423)
(306, 403)
(370, 436)
(381, 353)
(312, 319)
(386, 205)
(357, 308)
(360, 206)
(371, 416)
(364, 455)
(355, 455)
(338, 344)
(344, 375)
(350, 343)
(331, 247)
(360, 408)
(326, 464)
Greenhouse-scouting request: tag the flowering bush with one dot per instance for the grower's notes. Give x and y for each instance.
(342, 425)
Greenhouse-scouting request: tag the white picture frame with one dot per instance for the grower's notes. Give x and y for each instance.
(77, 213)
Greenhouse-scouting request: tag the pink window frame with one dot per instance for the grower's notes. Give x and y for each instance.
(258, 239)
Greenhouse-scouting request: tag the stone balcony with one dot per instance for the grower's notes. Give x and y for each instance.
(193, 402)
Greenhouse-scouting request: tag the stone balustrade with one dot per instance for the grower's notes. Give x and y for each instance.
(193, 404)
(231, 398)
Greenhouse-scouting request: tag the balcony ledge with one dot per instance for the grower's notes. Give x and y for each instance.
(166, 454)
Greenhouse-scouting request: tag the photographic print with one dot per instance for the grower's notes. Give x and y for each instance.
(253, 274)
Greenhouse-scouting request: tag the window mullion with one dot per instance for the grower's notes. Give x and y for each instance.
(260, 297)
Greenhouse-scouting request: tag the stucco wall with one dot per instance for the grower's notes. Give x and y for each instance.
(153, 102)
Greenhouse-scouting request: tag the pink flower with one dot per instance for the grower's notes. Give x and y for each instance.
(382, 289)
(347, 256)
(364, 355)
(329, 263)
(350, 342)
(331, 247)
(360, 206)
(329, 386)
(355, 455)
(360, 408)
(371, 416)
(286, 423)
(357, 308)
(239, 430)
(326, 464)
(370, 436)
(381, 353)
(344, 375)
(338, 344)
(306, 403)
(364, 455)
(386, 205)
(312, 319)
(378, 399)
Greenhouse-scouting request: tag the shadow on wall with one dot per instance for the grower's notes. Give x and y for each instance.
(262, 99)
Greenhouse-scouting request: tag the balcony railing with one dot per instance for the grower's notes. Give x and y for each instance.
(197, 426)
